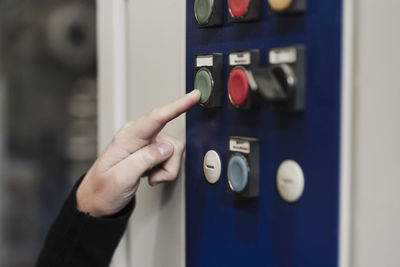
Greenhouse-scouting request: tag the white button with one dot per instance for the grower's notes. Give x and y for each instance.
(212, 166)
(290, 181)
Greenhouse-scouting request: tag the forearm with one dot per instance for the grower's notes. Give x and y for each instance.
(77, 239)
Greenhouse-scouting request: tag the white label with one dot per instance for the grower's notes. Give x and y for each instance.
(242, 58)
(283, 55)
(204, 61)
(241, 146)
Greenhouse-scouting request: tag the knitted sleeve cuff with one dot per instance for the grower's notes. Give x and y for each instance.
(78, 239)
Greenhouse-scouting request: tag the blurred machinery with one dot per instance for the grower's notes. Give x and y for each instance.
(81, 141)
(49, 130)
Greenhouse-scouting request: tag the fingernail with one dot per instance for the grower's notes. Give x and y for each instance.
(165, 148)
(195, 92)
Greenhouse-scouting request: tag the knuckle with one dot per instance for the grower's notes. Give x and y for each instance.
(155, 116)
(175, 173)
(124, 126)
(154, 112)
(115, 139)
(172, 175)
(116, 181)
(180, 147)
(129, 124)
(124, 130)
(169, 177)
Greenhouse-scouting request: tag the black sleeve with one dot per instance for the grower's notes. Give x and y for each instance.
(77, 239)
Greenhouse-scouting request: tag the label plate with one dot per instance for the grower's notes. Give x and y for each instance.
(240, 58)
(283, 55)
(237, 145)
(204, 61)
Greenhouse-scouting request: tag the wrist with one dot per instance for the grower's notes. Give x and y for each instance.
(85, 201)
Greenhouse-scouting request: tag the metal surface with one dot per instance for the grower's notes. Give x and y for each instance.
(156, 68)
(113, 87)
(225, 230)
(375, 215)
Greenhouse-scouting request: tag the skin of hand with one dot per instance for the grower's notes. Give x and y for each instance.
(137, 149)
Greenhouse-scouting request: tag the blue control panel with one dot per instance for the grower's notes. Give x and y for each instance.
(270, 73)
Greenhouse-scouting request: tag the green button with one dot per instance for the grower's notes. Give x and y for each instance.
(203, 82)
(203, 10)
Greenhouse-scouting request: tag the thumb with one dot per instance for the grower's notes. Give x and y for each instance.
(144, 159)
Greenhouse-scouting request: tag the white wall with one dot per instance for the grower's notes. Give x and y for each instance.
(141, 66)
(156, 72)
(376, 139)
(112, 83)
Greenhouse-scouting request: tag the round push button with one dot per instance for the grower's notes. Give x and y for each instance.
(238, 8)
(212, 166)
(290, 181)
(203, 10)
(238, 86)
(204, 83)
(280, 5)
(237, 173)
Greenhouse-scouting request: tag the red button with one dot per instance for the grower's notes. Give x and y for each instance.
(238, 8)
(238, 86)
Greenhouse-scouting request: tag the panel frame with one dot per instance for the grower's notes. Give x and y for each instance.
(112, 85)
(223, 40)
(346, 139)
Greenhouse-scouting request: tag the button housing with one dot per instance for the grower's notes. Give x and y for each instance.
(242, 62)
(244, 10)
(281, 86)
(243, 150)
(211, 64)
(287, 7)
(285, 60)
(214, 17)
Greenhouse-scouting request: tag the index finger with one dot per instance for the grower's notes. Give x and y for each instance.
(152, 123)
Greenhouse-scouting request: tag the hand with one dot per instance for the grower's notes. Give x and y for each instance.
(137, 148)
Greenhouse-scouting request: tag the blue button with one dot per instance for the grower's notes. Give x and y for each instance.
(237, 173)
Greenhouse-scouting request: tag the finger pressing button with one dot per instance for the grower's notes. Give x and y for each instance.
(204, 83)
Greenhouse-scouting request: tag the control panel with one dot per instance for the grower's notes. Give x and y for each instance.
(262, 160)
